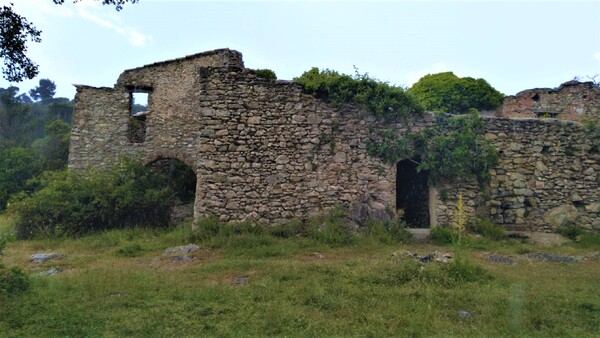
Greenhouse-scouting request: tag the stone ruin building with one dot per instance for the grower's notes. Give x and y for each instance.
(263, 150)
(572, 100)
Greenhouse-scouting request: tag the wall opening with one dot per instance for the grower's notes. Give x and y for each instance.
(182, 179)
(412, 194)
(138, 114)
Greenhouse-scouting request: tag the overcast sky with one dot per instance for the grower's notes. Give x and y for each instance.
(513, 45)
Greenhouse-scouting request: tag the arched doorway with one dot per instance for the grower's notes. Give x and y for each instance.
(182, 179)
(412, 194)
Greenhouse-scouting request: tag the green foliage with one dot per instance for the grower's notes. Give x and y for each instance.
(486, 228)
(455, 273)
(570, 231)
(266, 74)
(388, 232)
(53, 149)
(383, 100)
(132, 250)
(443, 235)
(446, 92)
(331, 229)
(454, 148)
(75, 203)
(44, 91)
(387, 146)
(12, 281)
(17, 165)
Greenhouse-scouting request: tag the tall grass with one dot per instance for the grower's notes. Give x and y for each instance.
(118, 283)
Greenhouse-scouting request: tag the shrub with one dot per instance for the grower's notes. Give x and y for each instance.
(388, 231)
(331, 228)
(266, 74)
(446, 92)
(383, 100)
(569, 231)
(12, 281)
(443, 235)
(486, 228)
(73, 203)
(287, 229)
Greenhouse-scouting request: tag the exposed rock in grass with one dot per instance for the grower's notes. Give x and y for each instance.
(184, 249)
(465, 314)
(181, 259)
(500, 259)
(241, 280)
(45, 257)
(431, 257)
(553, 258)
(317, 255)
(51, 272)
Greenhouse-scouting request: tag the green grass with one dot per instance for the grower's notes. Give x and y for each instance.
(114, 284)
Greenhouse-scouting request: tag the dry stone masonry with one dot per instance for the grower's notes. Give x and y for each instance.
(572, 100)
(263, 150)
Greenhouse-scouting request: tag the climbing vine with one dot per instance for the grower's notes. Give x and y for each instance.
(382, 99)
(452, 148)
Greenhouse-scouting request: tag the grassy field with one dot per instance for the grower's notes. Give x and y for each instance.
(118, 283)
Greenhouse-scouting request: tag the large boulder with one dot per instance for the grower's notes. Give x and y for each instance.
(561, 215)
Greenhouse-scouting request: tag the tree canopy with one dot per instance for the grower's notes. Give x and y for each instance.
(446, 92)
(45, 91)
(16, 31)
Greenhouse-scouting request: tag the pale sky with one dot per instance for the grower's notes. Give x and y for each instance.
(513, 45)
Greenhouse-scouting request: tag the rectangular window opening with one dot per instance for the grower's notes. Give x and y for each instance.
(138, 114)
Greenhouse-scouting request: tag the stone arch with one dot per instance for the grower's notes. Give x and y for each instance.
(183, 178)
(412, 194)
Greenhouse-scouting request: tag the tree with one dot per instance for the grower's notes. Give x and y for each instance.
(45, 91)
(53, 148)
(15, 31)
(446, 92)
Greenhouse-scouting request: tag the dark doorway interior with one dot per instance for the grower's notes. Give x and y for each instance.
(412, 194)
(181, 177)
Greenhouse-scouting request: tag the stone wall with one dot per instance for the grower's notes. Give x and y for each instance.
(571, 101)
(549, 175)
(263, 150)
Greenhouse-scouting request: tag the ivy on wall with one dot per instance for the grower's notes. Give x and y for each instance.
(382, 99)
(452, 148)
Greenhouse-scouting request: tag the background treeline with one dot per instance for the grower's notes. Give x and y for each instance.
(34, 135)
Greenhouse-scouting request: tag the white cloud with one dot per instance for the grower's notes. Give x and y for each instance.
(38, 11)
(597, 56)
(136, 38)
(414, 76)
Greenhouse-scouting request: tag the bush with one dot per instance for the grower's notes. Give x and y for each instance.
(570, 231)
(266, 74)
(443, 235)
(388, 232)
(74, 203)
(331, 229)
(446, 92)
(486, 228)
(383, 100)
(12, 281)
